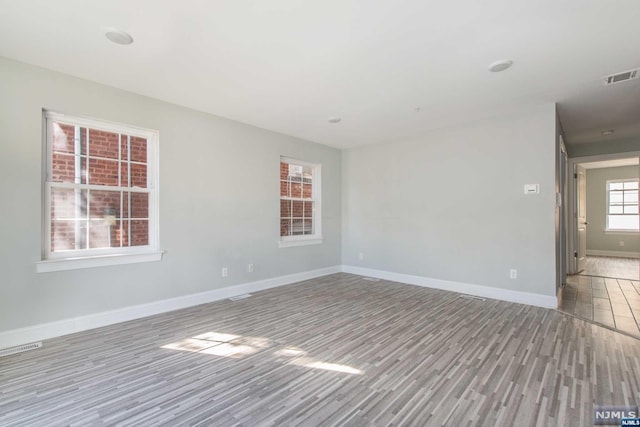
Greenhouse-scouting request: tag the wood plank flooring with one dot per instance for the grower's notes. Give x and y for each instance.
(337, 350)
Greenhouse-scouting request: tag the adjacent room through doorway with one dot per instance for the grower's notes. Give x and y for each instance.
(605, 285)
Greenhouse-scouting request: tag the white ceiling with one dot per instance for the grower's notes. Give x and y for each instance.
(288, 65)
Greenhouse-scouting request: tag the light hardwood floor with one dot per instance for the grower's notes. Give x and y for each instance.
(336, 350)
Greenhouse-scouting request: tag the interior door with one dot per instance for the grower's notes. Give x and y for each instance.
(581, 255)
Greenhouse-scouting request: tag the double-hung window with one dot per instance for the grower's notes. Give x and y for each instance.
(100, 194)
(300, 212)
(622, 205)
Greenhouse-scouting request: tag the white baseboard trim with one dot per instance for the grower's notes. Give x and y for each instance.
(46, 331)
(546, 301)
(618, 254)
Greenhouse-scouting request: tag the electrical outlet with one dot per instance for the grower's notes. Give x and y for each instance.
(250, 268)
(513, 273)
(225, 272)
(360, 256)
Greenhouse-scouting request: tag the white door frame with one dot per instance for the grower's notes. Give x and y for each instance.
(573, 205)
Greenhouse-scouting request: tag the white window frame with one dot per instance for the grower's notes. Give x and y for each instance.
(88, 258)
(316, 193)
(617, 230)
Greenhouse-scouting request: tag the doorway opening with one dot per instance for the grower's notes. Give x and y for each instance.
(603, 280)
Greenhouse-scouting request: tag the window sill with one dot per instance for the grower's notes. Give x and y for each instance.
(606, 231)
(300, 242)
(95, 261)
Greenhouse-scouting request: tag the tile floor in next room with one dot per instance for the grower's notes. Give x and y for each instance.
(612, 302)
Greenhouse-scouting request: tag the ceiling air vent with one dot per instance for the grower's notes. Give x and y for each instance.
(621, 77)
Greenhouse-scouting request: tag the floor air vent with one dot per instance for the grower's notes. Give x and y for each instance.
(239, 297)
(621, 77)
(20, 348)
(472, 297)
(371, 279)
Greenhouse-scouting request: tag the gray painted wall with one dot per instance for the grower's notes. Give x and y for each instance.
(597, 239)
(450, 205)
(218, 201)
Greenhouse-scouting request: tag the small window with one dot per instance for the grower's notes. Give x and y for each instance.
(299, 203)
(622, 205)
(100, 189)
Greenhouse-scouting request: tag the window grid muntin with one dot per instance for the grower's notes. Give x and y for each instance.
(148, 138)
(312, 200)
(627, 189)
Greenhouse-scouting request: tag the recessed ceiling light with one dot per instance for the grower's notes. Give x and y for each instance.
(334, 120)
(501, 65)
(607, 132)
(119, 37)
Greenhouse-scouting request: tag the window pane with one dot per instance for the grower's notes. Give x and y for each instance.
(139, 232)
(284, 171)
(623, 222)
(616, 186)
(308, 209)
(102, 234)
(103, 144)
(631, 196)
(138, 149)
(295, 172)
(631, 185)
(631, 209)
(104, 206)
(297, 216)
(307, 174)
(296, 190)
(297, 227)
(297, 209)
(138, 175)
(68, 235)
(122, 233)
(124, 148)
(103, 172)
(307, 226)
(285, 208)
(124, 174)
(615, 197)
(63, 168)
(285, 227)
(140, 205)
(615, 209)
(285, 189)
(307, 191)
(68, 204)
(97, 156)
(64, 136)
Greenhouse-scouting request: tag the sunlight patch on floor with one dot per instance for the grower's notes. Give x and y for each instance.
(290, 352)
(238, 346)
(310, 362)
(221, 344)
(190, 344)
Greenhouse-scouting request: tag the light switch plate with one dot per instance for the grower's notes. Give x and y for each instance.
(532, 189)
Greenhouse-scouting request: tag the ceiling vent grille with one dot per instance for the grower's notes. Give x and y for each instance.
(621, 77)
